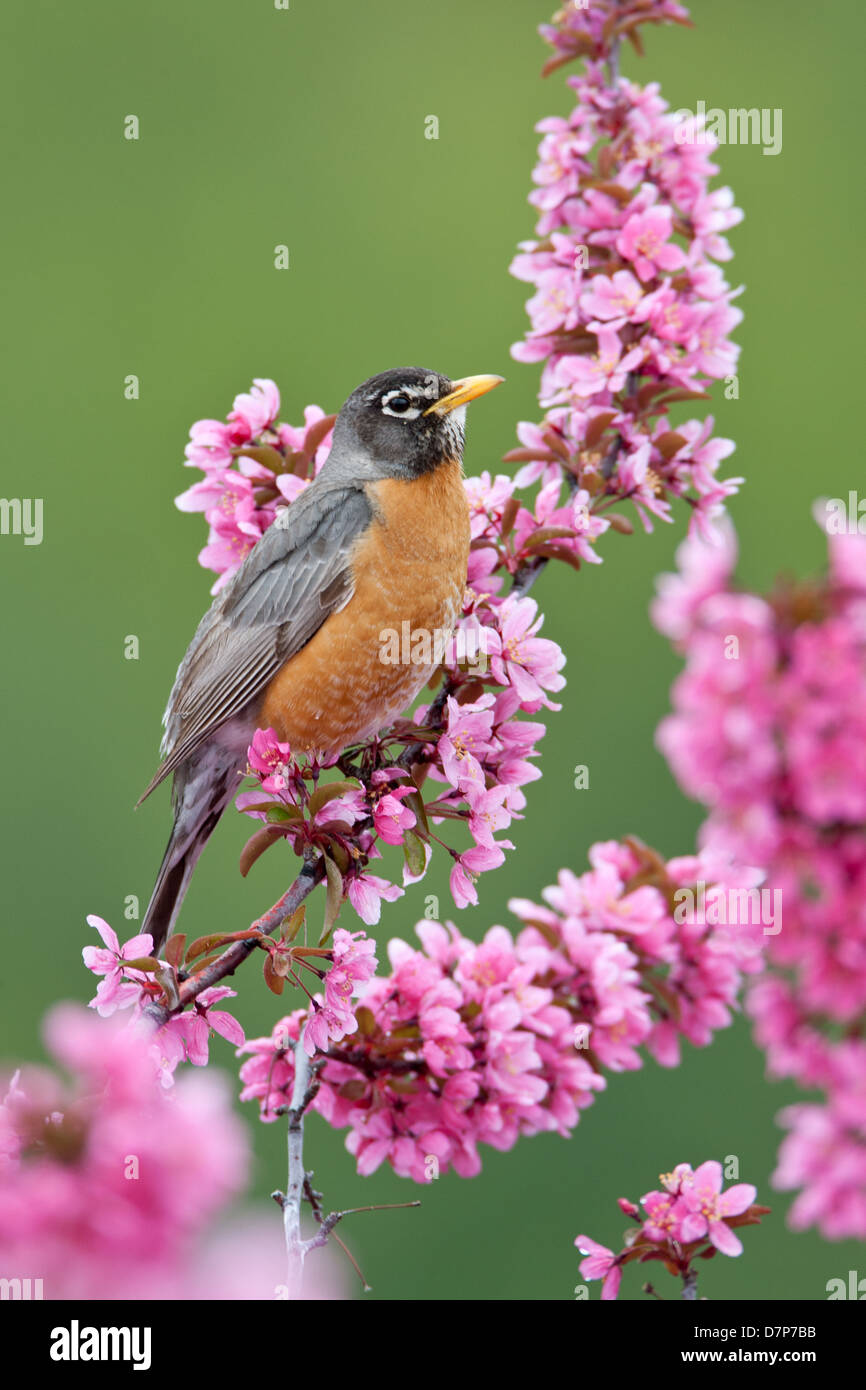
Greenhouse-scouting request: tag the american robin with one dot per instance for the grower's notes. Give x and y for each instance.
(294, 641)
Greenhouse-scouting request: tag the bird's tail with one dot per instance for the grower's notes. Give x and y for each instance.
(202, 789)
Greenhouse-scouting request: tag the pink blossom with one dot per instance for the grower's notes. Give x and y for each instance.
(600, 1263)
(645, 240)
(268, 756)
(612, 297)
(367, 893)
(391, 817)
(528, 663)
(486, 1041)
(684, 1223)
(628, 299)
(708, 1206)
(256, 410)
(114, 1199)
(467, 867)
(465, 740)
(772, 743)
(119, 987)
(186, 1036)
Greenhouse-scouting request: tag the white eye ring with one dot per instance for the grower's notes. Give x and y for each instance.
(411, 414)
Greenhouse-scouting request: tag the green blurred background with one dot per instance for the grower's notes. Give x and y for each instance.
(155, 257)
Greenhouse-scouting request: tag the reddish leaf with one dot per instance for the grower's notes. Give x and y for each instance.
(469, 692)
(353, 1090)
(274, 982)
(557, 552)
(366, 1021)
(316, 433)
(203, 964)
(669, 443)
(174, 949)
(322, 795)
(215, 941)
(547, 533)
(550, 437)
(613, 190)
(256, 846)
(597, 426)
(683, 396)
(529, 456)
(509, 516)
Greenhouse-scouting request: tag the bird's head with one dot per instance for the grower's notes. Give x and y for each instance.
(407, 421)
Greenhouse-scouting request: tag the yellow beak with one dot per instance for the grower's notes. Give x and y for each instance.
(464, 391)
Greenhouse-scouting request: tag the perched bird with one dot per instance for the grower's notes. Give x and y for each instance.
(294, 641)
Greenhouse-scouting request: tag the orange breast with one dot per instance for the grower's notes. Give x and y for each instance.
(409, 567)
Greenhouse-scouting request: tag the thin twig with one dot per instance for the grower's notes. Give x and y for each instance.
(312, 873)
(303, 1091)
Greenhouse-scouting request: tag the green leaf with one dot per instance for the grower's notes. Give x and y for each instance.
(334, 898)
(264, 454)
(292, 925)
(413, 853)
(146, 963)
(277, 814)
(415, 802)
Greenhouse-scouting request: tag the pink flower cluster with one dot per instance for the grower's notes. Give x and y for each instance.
(769, 730)
(252, 465)
(130, 980)
(107, 1182)
(590, 28)
(690, 1218)
(333, 1018)
(631, 313)
(466, 1044)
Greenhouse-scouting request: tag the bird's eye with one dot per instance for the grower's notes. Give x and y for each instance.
(402, 405)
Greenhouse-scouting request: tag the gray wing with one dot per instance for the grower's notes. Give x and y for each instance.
(291, 581)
